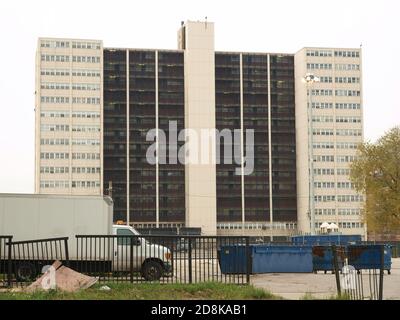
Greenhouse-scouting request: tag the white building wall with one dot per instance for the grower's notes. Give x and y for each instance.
(328, 122)
(197, 40)
(68, 76)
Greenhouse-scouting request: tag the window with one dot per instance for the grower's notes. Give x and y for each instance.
(54, 58)
(319, 66)
(347, 93)
(322, 118)
(342, 119)
(319, 53)
(126, 237)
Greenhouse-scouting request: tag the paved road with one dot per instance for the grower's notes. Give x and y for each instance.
(296, 285)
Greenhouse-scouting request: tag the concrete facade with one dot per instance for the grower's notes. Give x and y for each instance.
(68, 112)
(336, 129)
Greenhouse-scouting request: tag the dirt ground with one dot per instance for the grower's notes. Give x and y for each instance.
(320, 285)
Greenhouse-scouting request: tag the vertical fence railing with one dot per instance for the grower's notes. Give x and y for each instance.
(166, 259)
(359, 271)
(5, 261)
(29, 257)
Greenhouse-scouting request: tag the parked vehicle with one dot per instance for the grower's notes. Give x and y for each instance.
(32, 217)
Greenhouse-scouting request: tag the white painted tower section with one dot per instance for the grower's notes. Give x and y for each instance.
(197, 41)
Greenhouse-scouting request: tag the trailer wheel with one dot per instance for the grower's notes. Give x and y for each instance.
(25, 272)
(152, 270)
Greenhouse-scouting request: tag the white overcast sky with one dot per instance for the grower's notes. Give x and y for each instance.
(247, 25)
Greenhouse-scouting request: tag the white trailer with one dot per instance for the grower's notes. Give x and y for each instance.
(32, 216)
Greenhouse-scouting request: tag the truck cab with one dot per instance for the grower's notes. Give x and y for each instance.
(152, 260)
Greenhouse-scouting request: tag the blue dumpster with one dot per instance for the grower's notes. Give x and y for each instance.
(233, 259)
(322, 257)
(288, 258)
(337, 239)
(368, 256)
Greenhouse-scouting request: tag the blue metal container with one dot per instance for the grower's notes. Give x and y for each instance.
(337, 239)
(369, 256)
(322, 257)
(233, 259)
(288, 258)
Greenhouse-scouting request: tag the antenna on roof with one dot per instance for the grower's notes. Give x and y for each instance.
(205, 22)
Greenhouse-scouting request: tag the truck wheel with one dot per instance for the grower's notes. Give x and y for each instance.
(152, 271)
(25, 272)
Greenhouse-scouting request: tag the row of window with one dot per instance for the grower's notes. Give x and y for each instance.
(54, 114)
(339, 132)
(351, 225)
(341, 212)
(319, 66)
(85, 184)
(65, 114)
(65, 142)
(83, 128)
(45, 99)
(66, 86)
(347, 93)
(347, 80)
(54, 142)
(339, 198)
(338, 93)
(85, 100)
(54, 44)
(329, 158)
(66, 72)
(346, 158)
(331, 145)
(347, 67)
(85, 45)
(54, 155)
(328, 66)
(54, 72)
(86, 86)
(58, 170)
(85, 156)
(54, 127)
(85, 142)
(86, 170)
(347, 54)
(328, 105)
(53, 170)
(331, 185)
(66, 58)
(86, 59)
(343, 119)
(331, 171)
(319, 53)
(54, 184)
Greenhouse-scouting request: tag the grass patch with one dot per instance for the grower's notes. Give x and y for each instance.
(151, 291)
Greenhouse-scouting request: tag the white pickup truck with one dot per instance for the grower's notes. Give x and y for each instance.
(31, 217)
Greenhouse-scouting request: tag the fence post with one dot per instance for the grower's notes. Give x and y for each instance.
(66, 252)
(336, 268)
(381, 271)
(131, 259)
(190, 260)
(248, 260)
(9, 266)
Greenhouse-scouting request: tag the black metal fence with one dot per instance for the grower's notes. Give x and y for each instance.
(22, 261)
(359, 271)
(167, 259)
